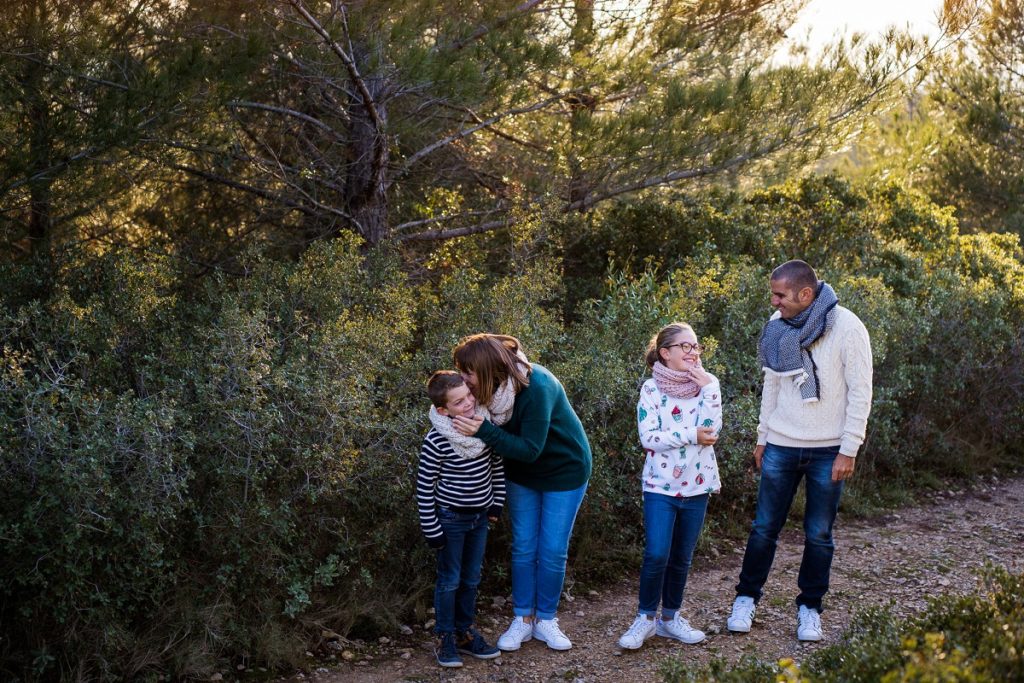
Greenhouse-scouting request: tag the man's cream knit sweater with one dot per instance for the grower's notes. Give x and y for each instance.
(843, 359)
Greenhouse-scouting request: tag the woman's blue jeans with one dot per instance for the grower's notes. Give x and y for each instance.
(782, 468)
(458, 569)
(671, 528)
(541, 523)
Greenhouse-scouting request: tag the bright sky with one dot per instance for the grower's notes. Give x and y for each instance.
(826, 18)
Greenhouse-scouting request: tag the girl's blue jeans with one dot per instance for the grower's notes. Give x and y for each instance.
(458, 569)
(541, 523)
(782, 468)
(671, 529)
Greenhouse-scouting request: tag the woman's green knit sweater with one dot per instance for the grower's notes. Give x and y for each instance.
(543, 444)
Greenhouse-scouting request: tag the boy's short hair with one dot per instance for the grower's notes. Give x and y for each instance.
(440, 383)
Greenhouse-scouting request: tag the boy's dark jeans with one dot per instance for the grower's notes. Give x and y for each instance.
(458, 569)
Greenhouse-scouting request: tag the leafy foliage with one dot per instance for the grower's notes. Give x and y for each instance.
(972, 638)
(961, 136)
(197, 471)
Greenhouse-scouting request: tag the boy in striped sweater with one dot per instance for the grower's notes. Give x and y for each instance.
(460, 486)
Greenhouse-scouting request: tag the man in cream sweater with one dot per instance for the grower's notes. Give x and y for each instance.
(816, 357)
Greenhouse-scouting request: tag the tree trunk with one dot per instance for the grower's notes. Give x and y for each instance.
(581, 103)
(37, 115)
(365, 197)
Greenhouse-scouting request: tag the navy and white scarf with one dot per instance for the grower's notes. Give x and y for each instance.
(784, 343)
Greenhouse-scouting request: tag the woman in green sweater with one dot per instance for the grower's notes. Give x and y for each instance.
(547, 467)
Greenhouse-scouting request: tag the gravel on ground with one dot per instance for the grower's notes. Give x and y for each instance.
(900, 559)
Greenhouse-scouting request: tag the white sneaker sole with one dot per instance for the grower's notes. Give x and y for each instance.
(560, 648)
(808, 639)
(509, 648)
(658, 630)
(639, 645)
(447, 665)
(737, 628)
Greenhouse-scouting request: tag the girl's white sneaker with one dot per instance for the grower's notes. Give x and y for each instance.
(517, 633)
(679, 629)
(547, 631)
(639, 631)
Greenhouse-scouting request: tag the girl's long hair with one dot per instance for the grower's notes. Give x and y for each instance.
(493, 358)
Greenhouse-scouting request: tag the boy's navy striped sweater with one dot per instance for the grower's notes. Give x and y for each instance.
(461, 484)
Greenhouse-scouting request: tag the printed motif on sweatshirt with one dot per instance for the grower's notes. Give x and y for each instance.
(675, 464)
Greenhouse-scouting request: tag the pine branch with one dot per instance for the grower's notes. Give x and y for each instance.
(244, 104)
(486, 123)
(454, 232)
(482, 31)
(349, 63)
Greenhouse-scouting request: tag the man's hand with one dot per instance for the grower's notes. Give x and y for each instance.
(467, 426)
(842, 467)
(758, 456)
(706, 436)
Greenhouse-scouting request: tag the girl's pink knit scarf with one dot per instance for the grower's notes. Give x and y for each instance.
(673, 382)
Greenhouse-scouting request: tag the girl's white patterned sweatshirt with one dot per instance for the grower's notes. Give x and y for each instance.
(675, 464)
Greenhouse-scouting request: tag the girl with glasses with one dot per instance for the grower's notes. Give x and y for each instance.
(679, 416)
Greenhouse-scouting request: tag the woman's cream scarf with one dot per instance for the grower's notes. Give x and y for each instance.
(499, 411)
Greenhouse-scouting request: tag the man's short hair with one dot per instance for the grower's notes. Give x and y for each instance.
(440, 383)
(798, 274)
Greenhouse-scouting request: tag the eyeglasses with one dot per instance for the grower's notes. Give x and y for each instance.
(687, 347)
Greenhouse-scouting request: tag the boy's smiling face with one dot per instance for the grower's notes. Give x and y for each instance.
(460, 401)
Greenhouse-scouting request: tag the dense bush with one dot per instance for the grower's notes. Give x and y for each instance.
(187, 480)
(973, 638)
(194, 472)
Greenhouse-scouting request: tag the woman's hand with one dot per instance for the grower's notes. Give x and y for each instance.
(699, 375)
(467, 426)
(706, 436)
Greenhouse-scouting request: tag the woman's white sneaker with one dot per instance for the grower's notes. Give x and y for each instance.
(742, 616)
(547, 631)
(808, 624)
(679, 629)
(639, 631)
(517, 633)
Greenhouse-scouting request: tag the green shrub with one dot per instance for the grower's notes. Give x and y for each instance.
(974, 638)
(749, 669)
(212, 470)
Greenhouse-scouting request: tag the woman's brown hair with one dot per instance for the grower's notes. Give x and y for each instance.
(494, 358)
(664, 338)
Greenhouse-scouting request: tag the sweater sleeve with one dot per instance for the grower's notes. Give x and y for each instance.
(710, 413)
(537, 407)
(648, 421)
(769, 399)
(497, 482)
(855, 352)
(426, 488)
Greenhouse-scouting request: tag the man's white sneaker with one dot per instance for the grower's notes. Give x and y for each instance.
(640, 630)
(808, 624)
(742, 616)
(547, 631)
(517, 633)
(680, 629)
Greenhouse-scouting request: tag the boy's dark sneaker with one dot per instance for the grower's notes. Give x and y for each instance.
(471, 643)
(446, 653)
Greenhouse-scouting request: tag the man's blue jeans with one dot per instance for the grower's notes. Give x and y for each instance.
(782, 468)
(671, 528)
(458, 569)
(541, 523)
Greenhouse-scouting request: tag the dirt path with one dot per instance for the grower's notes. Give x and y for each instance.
(904, 558)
